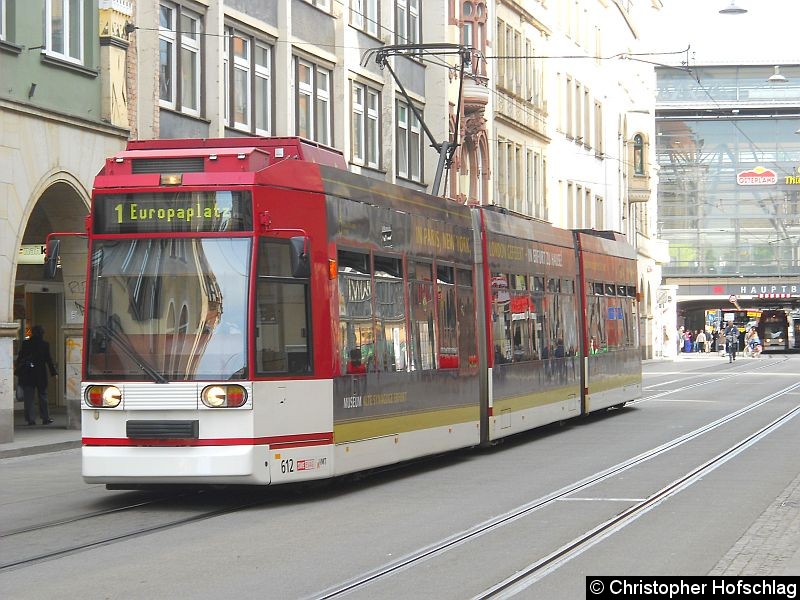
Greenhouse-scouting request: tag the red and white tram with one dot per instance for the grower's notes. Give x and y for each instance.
(257, 314)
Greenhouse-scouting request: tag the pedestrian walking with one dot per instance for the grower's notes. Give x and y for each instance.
(32, 366)
(701, 342)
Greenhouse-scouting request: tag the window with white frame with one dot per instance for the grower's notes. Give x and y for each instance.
(322, 105)
(321, 4)
(501, 52)
(365, 134)
(2, 19)
(63, 29)
(312, 101)
(167, 64)
(502, 172)
(409, 143)
(408, 26)
(587, 112)
(190, 62)
(179, 58)
(248, 82)
(473, 25)
(577, 105)
(598, 129)
(364, 16)
(535, 78)
(263, 89)
(638, 155)
(242, 67)
(570, 96)
(402, 140)
(530, 182)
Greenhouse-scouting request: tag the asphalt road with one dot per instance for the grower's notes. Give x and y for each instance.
(699, 477)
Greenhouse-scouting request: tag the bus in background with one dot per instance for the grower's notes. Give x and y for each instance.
(773, 329)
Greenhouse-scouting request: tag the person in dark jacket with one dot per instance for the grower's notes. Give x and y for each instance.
(33, 363)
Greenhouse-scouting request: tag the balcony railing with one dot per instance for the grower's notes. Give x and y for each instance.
(524, 113)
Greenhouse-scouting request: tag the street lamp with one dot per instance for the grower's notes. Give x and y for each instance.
(733, 9)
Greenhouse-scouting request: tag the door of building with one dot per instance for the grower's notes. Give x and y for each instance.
(46, 310)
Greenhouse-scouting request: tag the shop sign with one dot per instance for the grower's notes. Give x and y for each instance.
(757, 176)
(793, 179)
(31, 254)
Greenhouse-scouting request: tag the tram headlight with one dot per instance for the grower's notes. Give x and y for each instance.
(103, 396)
(224, 396)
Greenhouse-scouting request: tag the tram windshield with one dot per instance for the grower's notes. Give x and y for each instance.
(168, 309)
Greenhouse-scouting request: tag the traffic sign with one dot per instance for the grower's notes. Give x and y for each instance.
(732, 298)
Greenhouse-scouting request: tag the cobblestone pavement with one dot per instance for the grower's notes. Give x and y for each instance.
(772, 544)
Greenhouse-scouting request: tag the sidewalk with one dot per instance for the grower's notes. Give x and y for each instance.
(38, 439)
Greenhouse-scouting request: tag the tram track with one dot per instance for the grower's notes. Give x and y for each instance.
(94, 515)
(534, 572)
(438, 548)
(119, 537)
(563, 554)
(723, 377)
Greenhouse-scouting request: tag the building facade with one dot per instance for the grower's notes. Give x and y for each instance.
(573, 127)
(549, 124)
(58, 122)
(729, 194)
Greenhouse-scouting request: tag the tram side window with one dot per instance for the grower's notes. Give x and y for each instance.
(283, 341)
(522, 325)
(501, 319)
(539, 324)
(467, 343)
(356, 335)
(570, 317)
(423, 356)
(615, 316)
(596, 306)
(555, 318)
(390, 314)
(446, 297)
(626, 296)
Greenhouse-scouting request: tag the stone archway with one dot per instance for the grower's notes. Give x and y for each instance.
(61, 206)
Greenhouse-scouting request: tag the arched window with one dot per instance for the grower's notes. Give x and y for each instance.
(473, 22)
(638, 155)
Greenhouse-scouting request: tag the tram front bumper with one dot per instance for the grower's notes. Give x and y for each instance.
(232, 465)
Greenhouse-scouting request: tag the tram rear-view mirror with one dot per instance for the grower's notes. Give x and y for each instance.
(299, 257)
(51, 259)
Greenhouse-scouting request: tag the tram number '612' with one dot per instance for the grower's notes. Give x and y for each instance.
(287, 466)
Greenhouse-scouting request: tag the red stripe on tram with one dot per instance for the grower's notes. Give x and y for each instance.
(281, 441)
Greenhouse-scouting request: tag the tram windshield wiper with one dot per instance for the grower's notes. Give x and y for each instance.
(128, 349)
